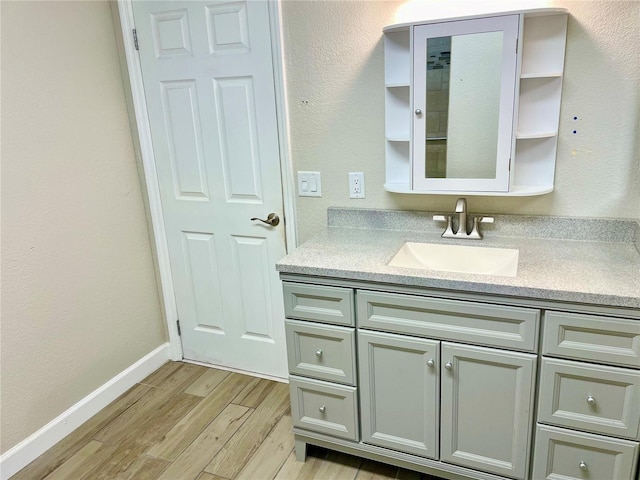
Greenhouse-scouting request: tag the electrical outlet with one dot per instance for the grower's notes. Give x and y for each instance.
(356, 185)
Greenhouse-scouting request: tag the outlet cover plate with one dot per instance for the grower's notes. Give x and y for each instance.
(356, 185)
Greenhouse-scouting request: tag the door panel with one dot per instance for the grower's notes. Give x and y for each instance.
(487, 405)
(399, 392)
(208, 79)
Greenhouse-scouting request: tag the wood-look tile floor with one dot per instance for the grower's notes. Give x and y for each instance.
(187, 422)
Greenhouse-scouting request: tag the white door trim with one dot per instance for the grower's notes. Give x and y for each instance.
(134, 68)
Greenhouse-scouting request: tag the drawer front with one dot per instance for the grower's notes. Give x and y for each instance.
(321, 351)
(590, 397)
(319, 303)
(592, 338)
(477, 323)
(324, 407)
(564, 454)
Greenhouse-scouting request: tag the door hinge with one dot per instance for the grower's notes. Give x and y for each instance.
(509, 164)
(178, 325)
(516, 45)
(135, 39)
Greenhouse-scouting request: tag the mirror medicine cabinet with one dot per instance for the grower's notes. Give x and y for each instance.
(472, 104)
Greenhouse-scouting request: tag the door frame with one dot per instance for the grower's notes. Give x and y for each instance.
(134, 73)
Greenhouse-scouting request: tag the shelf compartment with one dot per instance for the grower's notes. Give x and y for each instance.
(397, 114)
(539, 106)
(398, 165)
(535, 161)
(397, 58)
(543, 45)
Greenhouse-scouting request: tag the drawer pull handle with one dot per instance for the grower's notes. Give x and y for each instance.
(318, 353)
(448, 365)
(322, 409)
(591, 401)
(583, 466)
(430, 362)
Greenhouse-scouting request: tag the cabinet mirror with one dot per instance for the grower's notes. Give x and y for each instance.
(464, 88)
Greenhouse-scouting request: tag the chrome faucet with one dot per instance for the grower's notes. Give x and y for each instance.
(461, 210)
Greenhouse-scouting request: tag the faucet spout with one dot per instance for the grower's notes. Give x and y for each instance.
(461, 210)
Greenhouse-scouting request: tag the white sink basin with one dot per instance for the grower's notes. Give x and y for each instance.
(457, 258)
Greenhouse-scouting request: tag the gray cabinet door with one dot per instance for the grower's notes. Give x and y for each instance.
(399, 392)
(487, 404)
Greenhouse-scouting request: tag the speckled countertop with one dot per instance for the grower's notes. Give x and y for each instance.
(589, 261)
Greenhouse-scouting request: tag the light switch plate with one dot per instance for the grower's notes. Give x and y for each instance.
(309, 184)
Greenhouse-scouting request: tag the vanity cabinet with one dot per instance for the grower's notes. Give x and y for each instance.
(484, 416)
(589, 410)
(472, 104)
(451, 386)
(321, 357)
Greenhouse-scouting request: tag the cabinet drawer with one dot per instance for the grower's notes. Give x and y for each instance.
(564, 454)
(592, 338)
(319, 303)
(324, 407)
(321, 351)
(472, 322)
(590, 397)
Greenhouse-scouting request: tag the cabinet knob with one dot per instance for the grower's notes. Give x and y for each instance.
(583, 466)
(319, 353)
(430, 362)
(591, 401)
(448, 365)
(322, 409)
(418, 111)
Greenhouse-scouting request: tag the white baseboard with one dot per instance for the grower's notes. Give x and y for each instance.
(29, 449)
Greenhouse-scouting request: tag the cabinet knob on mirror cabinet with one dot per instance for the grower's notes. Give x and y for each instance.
(448, 365)
(591, 401)
(583, 466)
(418, 111)
(322, 409)
(318, 353)
(430, 362)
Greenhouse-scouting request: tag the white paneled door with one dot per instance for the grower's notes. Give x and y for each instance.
(209, 86)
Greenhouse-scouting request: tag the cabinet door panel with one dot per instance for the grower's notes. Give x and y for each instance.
(487, 402)
(399, 392)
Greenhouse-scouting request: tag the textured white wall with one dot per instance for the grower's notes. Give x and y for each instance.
(79, 299)
(335, 81)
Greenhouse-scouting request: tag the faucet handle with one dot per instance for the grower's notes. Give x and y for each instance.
(475, 233)
(448, 233)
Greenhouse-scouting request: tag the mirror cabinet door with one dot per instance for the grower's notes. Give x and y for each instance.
(464, 80)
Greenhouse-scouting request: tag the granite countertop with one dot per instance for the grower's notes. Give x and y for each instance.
(600, 267)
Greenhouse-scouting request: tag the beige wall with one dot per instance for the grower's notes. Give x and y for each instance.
(334, 62)
(79, 299)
